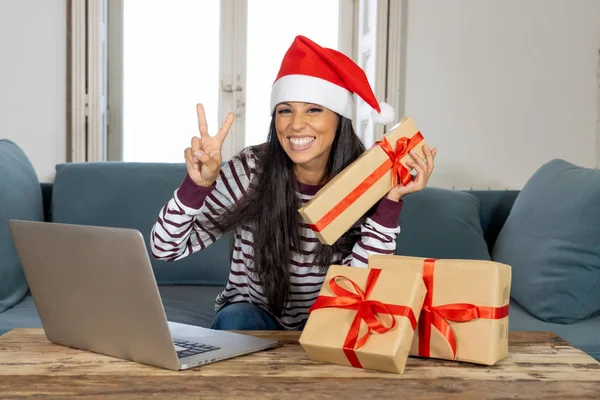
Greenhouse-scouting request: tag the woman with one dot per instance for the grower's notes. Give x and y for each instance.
(278, 265)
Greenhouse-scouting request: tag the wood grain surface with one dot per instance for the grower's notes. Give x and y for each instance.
(539, 365)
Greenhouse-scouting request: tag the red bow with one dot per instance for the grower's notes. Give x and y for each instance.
(367, 310)
(403, 146)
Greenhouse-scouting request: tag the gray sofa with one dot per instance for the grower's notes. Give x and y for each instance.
(435, 223)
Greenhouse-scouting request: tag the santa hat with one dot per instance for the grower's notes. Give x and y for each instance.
(312, 74)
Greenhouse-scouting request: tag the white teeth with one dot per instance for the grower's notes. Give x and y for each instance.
(301, 141)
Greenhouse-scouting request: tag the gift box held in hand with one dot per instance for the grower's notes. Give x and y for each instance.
(349, 195)
(465, 312)
(364, 318)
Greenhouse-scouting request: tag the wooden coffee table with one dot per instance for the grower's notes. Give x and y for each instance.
(540, 365)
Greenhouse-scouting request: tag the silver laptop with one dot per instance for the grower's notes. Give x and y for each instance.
(95, 290)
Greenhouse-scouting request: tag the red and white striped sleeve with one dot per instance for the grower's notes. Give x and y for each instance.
(186, 223)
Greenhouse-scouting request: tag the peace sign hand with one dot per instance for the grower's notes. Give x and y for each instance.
(203, 159)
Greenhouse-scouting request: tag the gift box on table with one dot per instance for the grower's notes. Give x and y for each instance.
(465, 313)
(349, 195)
(364, 318)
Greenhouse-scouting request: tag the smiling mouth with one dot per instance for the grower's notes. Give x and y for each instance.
(301, 143)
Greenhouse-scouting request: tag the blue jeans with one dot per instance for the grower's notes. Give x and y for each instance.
(244, 316)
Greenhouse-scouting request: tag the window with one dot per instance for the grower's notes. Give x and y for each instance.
(223, 54)
(161, 58)
(170, 63)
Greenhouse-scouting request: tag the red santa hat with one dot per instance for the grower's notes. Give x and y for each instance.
(312, 74)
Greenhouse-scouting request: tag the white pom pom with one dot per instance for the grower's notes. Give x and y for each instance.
(386, 115)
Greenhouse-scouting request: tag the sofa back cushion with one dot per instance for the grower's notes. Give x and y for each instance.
(131, 195)
(495, 207)
(20, 198)
(441, 223)
(552, 241)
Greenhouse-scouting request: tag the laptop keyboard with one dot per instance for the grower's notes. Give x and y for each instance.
(192, 348)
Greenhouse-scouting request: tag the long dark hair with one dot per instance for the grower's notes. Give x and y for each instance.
(270, 209)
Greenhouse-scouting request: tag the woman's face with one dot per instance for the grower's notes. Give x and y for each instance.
(306, 132)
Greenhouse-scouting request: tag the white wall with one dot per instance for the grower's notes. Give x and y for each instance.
(33, 80)
(503, 86)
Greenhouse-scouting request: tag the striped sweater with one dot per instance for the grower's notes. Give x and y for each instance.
(183, 227)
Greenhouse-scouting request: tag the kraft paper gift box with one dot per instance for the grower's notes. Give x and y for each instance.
(465, 312)
(348, 196)
(352, 299)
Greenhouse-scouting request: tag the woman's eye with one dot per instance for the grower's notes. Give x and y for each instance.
(315, 109)
(283, 111)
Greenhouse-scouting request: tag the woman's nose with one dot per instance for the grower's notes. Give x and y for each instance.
(298, 122)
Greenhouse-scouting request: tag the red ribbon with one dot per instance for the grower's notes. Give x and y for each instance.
(367, 310)
(439, 316)
(403, 146)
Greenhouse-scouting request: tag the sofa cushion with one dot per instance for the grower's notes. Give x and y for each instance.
(495, 207)
(194, 305)
(20, 198)
(22, 315)
(582, 335)
(441, 223)
(131, 195)
(551, 239)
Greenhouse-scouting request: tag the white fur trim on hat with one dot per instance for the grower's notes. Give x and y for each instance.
(309, 89)
(386, 114)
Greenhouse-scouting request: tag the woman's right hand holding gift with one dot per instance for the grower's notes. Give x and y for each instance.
(419, 182)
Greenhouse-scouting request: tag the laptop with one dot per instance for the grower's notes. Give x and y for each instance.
(94, 289)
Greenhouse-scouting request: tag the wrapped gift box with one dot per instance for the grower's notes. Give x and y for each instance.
(465, 312)
(352, 299)
(349, 195)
